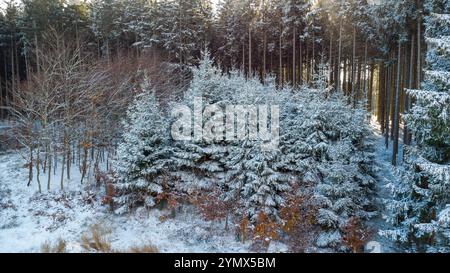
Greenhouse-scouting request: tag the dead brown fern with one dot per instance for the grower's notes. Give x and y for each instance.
(96, 239)
(149, 248)
(59, 247)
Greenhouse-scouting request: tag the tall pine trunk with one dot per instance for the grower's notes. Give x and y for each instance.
(300, 78)
(344, 78)
(397, 106)
(338, 80)
(313, 58)
(382, 95)
(250, 51)
(294, 79)
(365, 73)
(371, 82)
(330, 60)
(281, 64)
(387, 107)
(406, 133)
(353, 79)
(264, 56)
(419, 53)
(13, 73)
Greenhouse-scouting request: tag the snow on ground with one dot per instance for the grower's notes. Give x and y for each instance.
(29, 219)
(385, 175)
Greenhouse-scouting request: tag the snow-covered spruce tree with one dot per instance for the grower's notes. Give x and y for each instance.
(420, 212)
(253, 178)
(240, 170)
(143, 155)
(254, 181)
(324, 143)
(199, 163)
(346, 167)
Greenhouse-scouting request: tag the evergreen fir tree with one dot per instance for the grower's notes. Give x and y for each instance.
(143, 156)
(325, 144)
(420, 212)
(199, 163)
(254, 178)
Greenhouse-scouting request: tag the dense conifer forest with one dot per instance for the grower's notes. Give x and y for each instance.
(225, 126)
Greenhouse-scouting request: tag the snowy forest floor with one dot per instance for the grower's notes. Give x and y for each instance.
(29, 219)
(385, 175)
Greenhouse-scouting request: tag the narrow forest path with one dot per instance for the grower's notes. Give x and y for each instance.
(384, 175)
